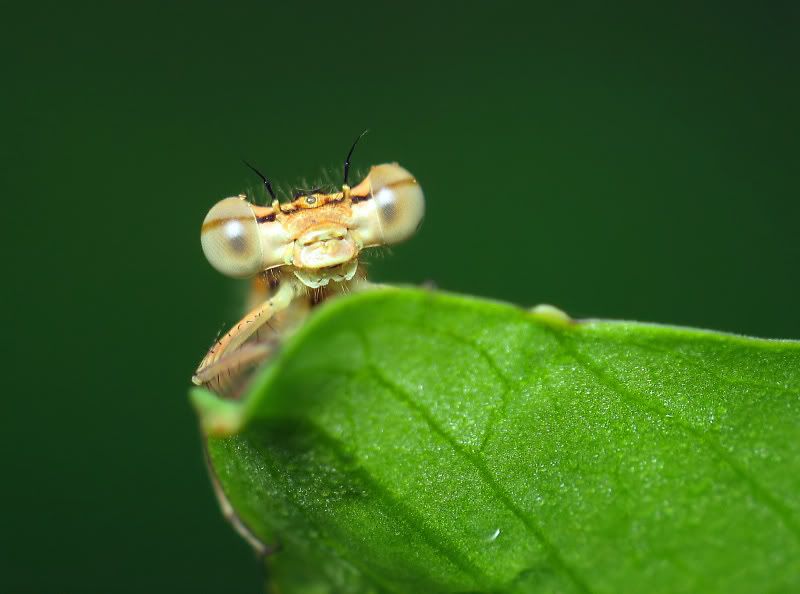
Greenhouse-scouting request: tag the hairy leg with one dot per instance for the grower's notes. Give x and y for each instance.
(243, 347)
(278, 311)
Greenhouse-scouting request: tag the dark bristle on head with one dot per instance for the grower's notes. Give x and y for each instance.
(298, 193)
(350, 154)
(264, 179)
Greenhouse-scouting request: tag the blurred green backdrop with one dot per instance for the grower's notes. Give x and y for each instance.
(636, 163)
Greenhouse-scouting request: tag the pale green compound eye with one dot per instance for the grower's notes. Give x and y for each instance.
(230, 238)
(393, 208)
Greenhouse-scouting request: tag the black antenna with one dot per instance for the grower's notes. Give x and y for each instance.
(350, 154)
(263, 178)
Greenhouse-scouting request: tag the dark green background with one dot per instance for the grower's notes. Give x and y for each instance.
(625, 163)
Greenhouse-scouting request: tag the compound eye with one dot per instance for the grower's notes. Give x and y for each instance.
(230, 238)
(394, 208)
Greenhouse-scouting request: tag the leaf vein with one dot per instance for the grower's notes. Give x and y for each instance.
(483, 471)
(690, 362)
(406, 514)
(761, 493)
(497, 412)
(275, 475)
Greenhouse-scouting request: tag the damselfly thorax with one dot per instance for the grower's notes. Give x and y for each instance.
(299, 254)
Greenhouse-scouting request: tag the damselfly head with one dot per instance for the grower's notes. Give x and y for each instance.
(316, 231)
(313, 244)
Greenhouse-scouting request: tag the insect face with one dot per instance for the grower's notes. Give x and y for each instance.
(314, 233)
(320, 229)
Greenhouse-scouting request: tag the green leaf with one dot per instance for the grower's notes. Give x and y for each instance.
(413, 441)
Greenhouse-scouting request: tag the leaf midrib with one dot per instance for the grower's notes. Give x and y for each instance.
(479, 465)
(769, 500)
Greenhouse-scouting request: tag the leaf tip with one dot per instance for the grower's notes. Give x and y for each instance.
(218, 417)
(551, 315)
